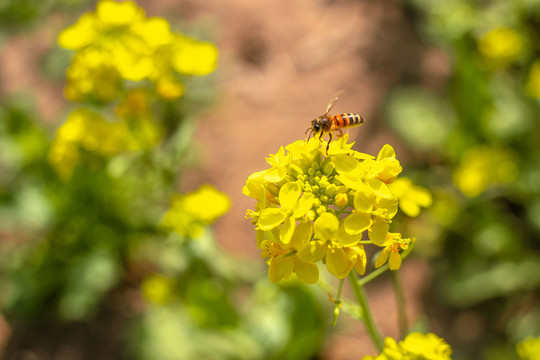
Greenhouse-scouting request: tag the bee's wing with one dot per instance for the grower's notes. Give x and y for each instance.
(333, 101)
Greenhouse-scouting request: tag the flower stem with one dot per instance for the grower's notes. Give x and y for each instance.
(360, 296)
(400, 299)
(337, 303)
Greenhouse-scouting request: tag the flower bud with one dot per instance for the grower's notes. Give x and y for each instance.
(330, 190)
(341, 200)
(328, 168)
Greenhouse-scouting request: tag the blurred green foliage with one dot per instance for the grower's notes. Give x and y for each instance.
(477, 143)
(81, 211)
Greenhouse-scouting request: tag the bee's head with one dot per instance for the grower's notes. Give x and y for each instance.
(316, 125)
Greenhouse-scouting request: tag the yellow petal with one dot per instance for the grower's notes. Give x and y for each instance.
(357, 222)
(307, 272)
(118, 13)
(194, 57)
(337, 263)
(287, 230)
(270, 218)
(289, 194)
(281, 267)
(302, 235)
(378, 232)
(326, 226)
(387, 151)
(395, 260)
(382, 258)
(313, 251)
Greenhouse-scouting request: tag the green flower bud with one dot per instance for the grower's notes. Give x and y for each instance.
(330, 190)
(328, 168)
(324, 199)
(295, 171)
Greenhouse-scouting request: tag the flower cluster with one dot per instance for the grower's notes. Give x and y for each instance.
(314, 208)
(89, 132)
(415, 346)
(190, 212)
(118, 42)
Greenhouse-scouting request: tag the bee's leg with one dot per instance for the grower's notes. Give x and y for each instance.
(328, 143)
(340, 133)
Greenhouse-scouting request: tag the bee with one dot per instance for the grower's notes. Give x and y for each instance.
(329, 124)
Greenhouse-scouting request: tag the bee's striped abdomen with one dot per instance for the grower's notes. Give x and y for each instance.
(346, 120)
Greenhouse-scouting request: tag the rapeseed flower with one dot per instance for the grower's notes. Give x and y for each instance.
(415, 346)
(412, 198)
(339, 197)
(190, 213)
(529, 349)
(502, 46)
(118, 42)
(484, 166)
(87, 131)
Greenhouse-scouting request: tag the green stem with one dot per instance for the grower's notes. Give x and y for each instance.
(337, 302)
(360, 296)
(400, 299)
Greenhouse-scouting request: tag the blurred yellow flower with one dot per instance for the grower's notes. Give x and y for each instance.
(502, 45)
(529, 349)
(415, 346)
(118, 42)
(484, 166)
(190, 213)
(88, 131)
(158, 289)
(411, 197)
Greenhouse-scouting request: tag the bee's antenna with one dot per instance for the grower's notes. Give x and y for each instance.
(310, 133)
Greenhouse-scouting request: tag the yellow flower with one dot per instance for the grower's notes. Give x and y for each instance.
(88, 131)
(415, 346)
(340, 250)
(283, 259)
(158, 289)
(189, 213)
(304, 186)
(294, 206)
(529, 349)
(374, 200)
(483, 166)
(502, 45)
(411, 197)
(194, 57)
(392, 244)
(118, 42)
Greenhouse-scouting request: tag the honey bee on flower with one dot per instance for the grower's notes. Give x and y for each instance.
(329, 124)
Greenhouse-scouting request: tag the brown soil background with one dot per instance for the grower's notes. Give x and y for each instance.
(280, 61)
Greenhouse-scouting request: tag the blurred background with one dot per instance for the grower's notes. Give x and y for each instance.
(98, 161)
